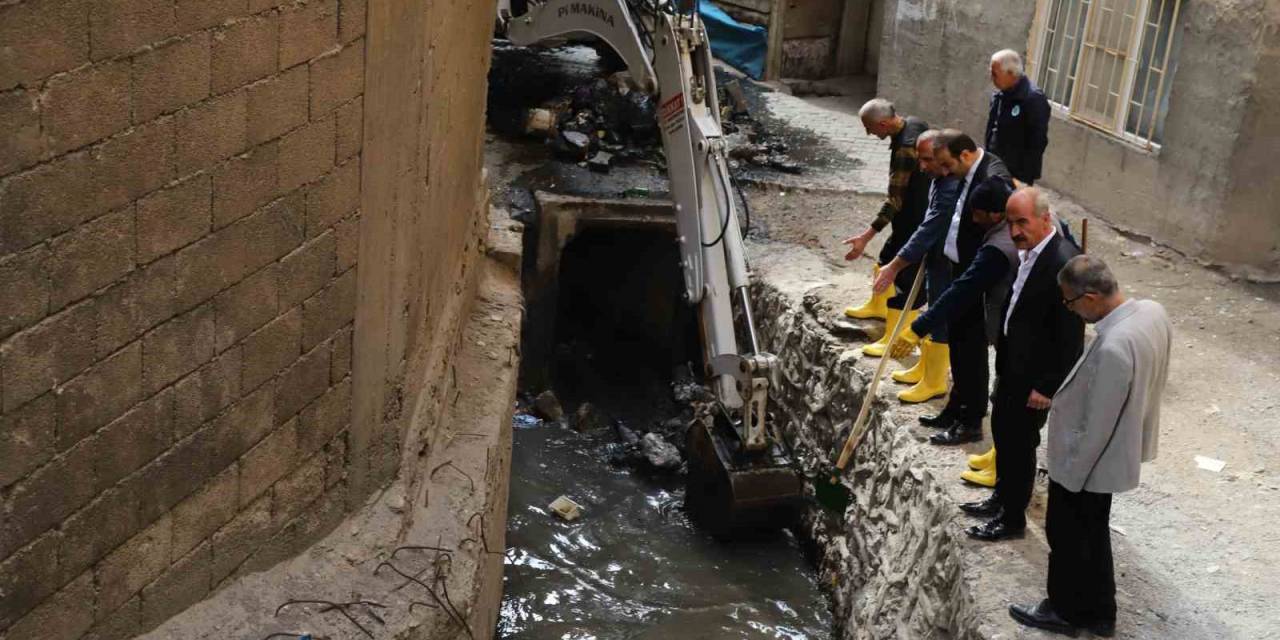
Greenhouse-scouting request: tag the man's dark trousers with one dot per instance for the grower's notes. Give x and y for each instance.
(1015, 429)
(970, 373)
(1082, 585)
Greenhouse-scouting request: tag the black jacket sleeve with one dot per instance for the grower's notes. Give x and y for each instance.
(987, 269)
(1037, 135)
(1065, 340)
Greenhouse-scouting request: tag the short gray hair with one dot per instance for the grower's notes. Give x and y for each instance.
(929, 137)
(877, 110)
(1039, 197)
(1087, 274)
(1008, 60)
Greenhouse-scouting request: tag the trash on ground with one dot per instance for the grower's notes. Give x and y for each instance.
(547, 406)
(1210, 464)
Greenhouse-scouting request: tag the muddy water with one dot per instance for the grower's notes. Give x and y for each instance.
(634, 566)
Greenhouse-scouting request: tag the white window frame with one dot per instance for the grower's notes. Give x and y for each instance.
(1036, 49)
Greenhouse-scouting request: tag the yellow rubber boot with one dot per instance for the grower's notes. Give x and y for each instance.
(985, 477)
(937, 359)
(914, 374)
(984, 461)
(876, 349)
(877, 306)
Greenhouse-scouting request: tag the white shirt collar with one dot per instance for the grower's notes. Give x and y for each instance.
(1028, 256)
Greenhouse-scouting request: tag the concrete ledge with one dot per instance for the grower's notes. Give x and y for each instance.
(441, 521)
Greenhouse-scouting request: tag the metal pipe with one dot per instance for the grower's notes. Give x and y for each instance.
(751, 321)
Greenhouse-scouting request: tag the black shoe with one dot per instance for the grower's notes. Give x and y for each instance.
(1042, 616)
(957, 433)
(988, 508)
(1103, 629)
(940, 420)
(995, 530)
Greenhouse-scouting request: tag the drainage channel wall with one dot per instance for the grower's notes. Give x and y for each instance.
(891, 562)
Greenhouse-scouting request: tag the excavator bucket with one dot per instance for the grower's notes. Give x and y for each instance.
(732, 492)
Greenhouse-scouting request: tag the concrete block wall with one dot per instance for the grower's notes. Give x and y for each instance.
(180, 192)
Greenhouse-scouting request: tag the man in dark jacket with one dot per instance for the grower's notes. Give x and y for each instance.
(967, 404)
(1018, 121)
(1040, 340)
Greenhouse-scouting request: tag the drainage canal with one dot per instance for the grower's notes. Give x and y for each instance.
(607, 336)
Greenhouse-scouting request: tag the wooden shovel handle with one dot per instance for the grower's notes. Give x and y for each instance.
(860, 424)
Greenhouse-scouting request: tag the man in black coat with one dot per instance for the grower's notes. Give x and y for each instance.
(1018, 121)
(967, 404)
(1040, 340)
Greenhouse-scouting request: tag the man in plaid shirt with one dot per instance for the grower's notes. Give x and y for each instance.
(902, 211)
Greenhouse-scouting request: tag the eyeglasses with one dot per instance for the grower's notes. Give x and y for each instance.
(1068, 302)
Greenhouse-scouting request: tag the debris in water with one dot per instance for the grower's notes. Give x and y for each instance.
(566, 508)
(526, 421)
(547, 406)
(588, 418)
(1210, 464)
(659, 453)
(600, 162)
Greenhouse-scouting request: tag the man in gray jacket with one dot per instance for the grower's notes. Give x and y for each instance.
(1103, 425)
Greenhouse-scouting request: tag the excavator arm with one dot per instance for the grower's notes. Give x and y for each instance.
(667, 50)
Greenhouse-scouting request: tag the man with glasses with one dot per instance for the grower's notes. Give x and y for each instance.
(1104, 425)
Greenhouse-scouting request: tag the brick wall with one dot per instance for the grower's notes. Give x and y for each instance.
(180, 189)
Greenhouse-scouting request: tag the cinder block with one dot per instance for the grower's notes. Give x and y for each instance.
(336, 78)
(236, 541)
(277, 105)
(330, 310)
(132, 164)
(122, 26)
(267, 462)
(335, 465)
(164, 483)
(85, 105)
(41, 38)
(244, 183)
(313, 521)
(27, 438)
(67, 615)
(244, 307)
(271, 349)
(133, 440)
(43, 499)
(211, 131)
(100, 394)
(25, 288)
(133, 565)
(205, 393)
(306, 154)
(256, 6)
(348, 233)
(245, 51)
(351, 19)
(262, 238)
(174, 217)
(307, 30)
(300, 488)
(90, 534)
(28, 577)
(196, 518)
(22, 145)
(141, 301)
(201, 14)
(171, 76)
(90, 257)
(333, 198)
(340, 362)
(302, 383)
(324, 418)
(307, 270)
(121, 624)
(47, 354)
(45, 201)
(197, 272)
(350, 125)
(177, 348)
(184, 584)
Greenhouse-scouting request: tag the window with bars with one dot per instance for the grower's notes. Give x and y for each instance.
(1107, 63)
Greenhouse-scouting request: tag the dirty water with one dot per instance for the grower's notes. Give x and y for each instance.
(634, 566)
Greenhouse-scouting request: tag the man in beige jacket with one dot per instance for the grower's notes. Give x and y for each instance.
(1103, 425)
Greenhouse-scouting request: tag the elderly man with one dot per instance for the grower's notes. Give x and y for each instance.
(1103, 426)
(1018, 121)
(1039, 341)
(903, 209)
(967, 404)
(929, 376)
